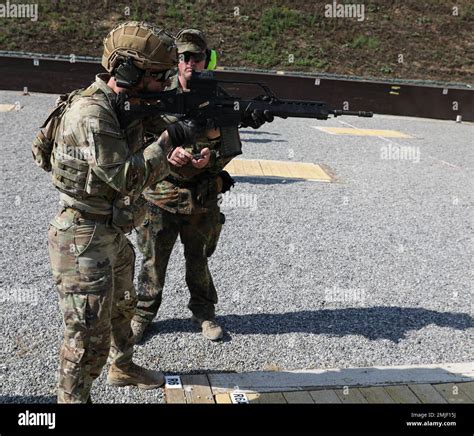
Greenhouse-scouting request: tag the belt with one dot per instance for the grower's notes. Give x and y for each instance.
(181, 183)
(90, 216)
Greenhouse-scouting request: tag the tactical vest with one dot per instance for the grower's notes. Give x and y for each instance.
(71, 170)
(43, 143)
(69, 164)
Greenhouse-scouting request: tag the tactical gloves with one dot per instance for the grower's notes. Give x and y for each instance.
(182, 132)
(256, 118)
(227, 181)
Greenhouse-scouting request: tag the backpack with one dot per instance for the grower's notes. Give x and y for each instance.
(43, 144)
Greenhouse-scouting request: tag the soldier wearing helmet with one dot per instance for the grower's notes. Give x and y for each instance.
(100, 167)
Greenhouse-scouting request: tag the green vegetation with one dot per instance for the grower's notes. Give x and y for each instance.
(272, 34)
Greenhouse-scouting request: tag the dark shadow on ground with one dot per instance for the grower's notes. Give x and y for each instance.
(259, 132)
(28, 399)
(261, 140)
(374, 323)
(263, 180)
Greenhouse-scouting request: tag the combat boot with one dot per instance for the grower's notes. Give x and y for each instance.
(210, 329)
(138, 329)
(135, 375)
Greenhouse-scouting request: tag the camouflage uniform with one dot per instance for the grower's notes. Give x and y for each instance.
(184, 204)
(100, 170)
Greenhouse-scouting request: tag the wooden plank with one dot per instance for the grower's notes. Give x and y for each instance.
(402, 394)
(271, 398)
(235, 167)
(223, 399)
(468, 389)
(253, 397)
(319, 379)
(252, 167)
(7, 107)
(272, 168)
(427, 393)
(326, 396)
(318, 173)
(364, 132)
(240, 168)
(376, 395)
(267, 168)
(282, 169)
(298, 397)
(300, 171)
(197, 389)
(309, 171)
(175, 396)
(452, 393)
(352, 395)
(293, 170)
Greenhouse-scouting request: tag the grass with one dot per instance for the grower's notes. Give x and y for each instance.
(273, 30)
(362, 41)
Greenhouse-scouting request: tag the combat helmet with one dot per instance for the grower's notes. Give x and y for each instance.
(147, 45)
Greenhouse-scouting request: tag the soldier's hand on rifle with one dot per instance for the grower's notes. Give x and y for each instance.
(203, 160)
(256, 118)
(179, 157)
(182, 132)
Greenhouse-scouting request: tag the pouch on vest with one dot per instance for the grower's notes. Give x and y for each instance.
(43, 143)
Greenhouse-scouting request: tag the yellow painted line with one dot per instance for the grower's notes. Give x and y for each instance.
(363, 132)
(7, 107)
(274, 168)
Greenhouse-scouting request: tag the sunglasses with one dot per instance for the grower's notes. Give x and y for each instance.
(187, 55)
(161, 76)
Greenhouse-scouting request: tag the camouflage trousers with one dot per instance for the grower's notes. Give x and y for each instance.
(199, 235)
(93, 266)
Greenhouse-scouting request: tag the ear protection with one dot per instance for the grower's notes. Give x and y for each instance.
(127, 74)
(211, 59)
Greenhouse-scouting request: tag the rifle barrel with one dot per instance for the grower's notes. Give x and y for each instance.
(337, 112)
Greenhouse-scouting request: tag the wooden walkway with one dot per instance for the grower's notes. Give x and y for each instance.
(279, 169)
(197, 389)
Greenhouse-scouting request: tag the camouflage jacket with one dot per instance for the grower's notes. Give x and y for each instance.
(98, 166)
(188, 190)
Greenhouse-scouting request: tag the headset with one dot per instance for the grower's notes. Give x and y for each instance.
(127, 74)
(211, 59)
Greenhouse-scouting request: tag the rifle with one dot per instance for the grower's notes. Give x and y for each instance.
(211, 107)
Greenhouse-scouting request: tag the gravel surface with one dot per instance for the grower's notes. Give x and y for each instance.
(371, 270)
